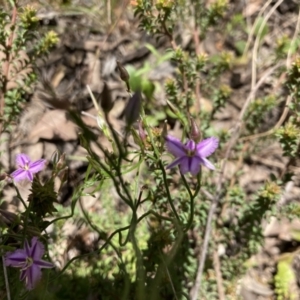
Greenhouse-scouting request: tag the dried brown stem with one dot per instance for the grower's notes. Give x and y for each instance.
(217, 267)
(197, 86)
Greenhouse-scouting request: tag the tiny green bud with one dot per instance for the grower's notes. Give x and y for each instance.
(50, 39)
(28, 17)
(201, 61)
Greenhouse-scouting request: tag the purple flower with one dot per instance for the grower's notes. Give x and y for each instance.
(191, 156)
(26, 167)
(30, 262)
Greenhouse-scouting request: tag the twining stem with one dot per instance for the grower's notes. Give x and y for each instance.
(118, 231)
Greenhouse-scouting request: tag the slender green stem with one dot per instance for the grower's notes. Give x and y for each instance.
(117, 184)
(97, 230)
(90, 253)
(118, 231)
(170, 200)
(26, 222)
(140, 273)
(157, 158)
(121, 182)
(6, 279)
(192, 199)
(160, 271)
(19, 196)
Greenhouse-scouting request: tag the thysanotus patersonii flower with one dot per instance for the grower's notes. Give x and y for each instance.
(26, 167)
(191, 156)
(30, 261)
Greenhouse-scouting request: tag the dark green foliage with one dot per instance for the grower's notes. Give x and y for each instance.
(42, 198)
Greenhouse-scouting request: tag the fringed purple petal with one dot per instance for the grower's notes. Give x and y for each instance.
(174, 146)
(23, 274)
(22, 160)
(37, 166)
(19, 175)
(207, 147)
(208, 164)
(37, 249)
(185, 164)
(29, 175)
(43, 264)
(175, 162)
(33, 276)
(16, 258)
(27, 248)
(195, 165)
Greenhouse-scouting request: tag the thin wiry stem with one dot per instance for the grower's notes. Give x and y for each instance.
(6, 279)
(169, 276)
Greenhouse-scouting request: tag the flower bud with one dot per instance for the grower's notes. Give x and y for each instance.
(3, 176)
(62, 161)
(63, 176)
(164, 134)
(142, 133)
(123, 75)
(106, 99)
(132, 110)
(55, 157)
(172, 107)
(195, 133)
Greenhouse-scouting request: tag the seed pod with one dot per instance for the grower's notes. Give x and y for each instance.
(142, 133)
(106, 99)
(63, 175)
(124, 75)
(3, 176)
(172, 108)
(133, 108)
(195, 133)
(62, 162)
(163, 135)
